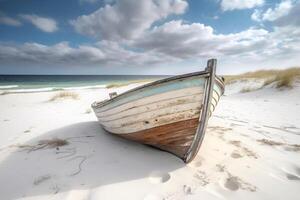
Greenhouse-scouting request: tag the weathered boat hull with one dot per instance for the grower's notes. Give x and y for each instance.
(169, 114)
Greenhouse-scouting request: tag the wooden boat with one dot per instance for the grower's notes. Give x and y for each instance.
(170, 114)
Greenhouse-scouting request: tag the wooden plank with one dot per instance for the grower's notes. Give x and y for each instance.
(151, 99)
(146, 120)
(150, 91)
(153, 122)
(162, 137)
(151, 115)
(156, 105)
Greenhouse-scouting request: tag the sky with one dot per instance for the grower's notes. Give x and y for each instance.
(147, 36)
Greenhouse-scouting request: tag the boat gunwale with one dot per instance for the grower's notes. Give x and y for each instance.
(99, 104)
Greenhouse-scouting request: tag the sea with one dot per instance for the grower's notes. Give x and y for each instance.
(43, 83)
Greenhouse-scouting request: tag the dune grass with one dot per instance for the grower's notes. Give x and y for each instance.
(115, 85)
(282, 78)
(286, 77)
(53, 143)
(4, 93)
(248, 89)
(64, 95)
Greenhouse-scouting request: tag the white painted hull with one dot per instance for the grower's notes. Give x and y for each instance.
(153, 111)
(170, 114)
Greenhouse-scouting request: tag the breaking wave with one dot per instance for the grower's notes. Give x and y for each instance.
(47, 89)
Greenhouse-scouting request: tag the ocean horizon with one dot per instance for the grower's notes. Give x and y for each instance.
(42, 83)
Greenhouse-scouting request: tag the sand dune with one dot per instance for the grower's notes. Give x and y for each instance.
(250, 151)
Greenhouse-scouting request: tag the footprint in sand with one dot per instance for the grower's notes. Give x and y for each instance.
(293, 173)
(235, 183)
(244, 150)
(292, 177)
(236, 154)
(297, 170)
(187, 189)
(41, 179)
(159, 177)
(196, 164)
(232, 183)
(201, 178)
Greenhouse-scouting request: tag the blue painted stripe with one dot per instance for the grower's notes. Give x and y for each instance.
(189, 82)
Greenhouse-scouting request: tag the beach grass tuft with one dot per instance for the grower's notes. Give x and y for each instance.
(53, 143)
(4, 93)
(115, 85)
(286, 78)
(248, 89)
(64, 95)
(282, 78)
(44, 144)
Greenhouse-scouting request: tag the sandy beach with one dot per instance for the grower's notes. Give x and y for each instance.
(250, 151)
(222, 120)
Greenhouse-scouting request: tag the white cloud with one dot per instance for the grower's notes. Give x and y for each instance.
(127, 37)
(9, 21)
(104, 53)
(165, 45)
(280, 10)
(256, 15)
(126, 19)
(45, 24)
(272, 14)
(216, 17)
(180, 40)
(228, 5)
(292, 18)
(196, 40)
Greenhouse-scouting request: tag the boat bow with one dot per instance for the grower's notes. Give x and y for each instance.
(203, 119)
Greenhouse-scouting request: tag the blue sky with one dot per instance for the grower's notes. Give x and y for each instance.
(147, 36)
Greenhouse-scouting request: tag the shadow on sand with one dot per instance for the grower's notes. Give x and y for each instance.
(105, 159)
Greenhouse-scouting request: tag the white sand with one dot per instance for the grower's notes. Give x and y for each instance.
(231, 164)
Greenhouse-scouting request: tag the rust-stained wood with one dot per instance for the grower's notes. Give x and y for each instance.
(175, 137)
